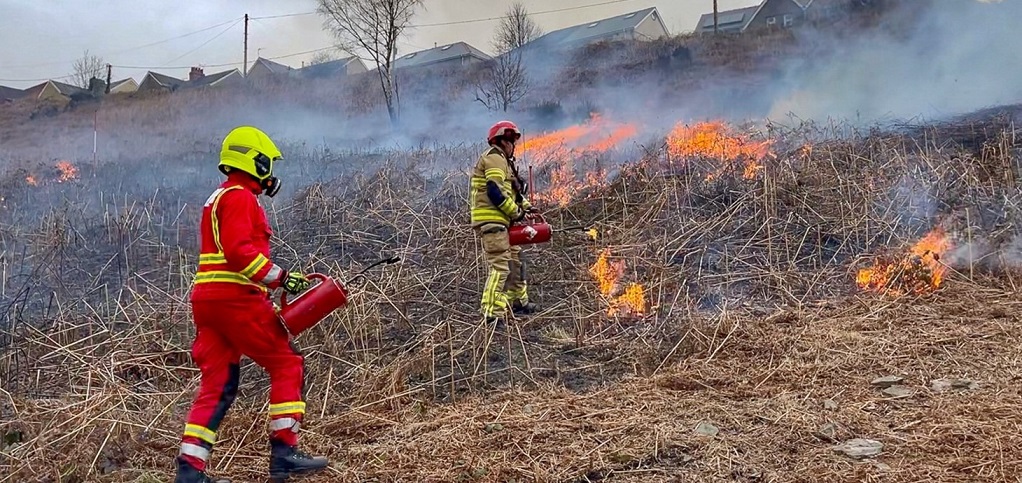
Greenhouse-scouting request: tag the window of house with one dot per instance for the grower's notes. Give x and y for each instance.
(446, 47)
(593, 24)
(630, 15)
(788, 19)
(771, 20)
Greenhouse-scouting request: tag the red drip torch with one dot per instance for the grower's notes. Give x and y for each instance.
(312, 306)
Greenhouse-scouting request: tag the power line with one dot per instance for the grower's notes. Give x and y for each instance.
(158, 42)
(475, 20)
(206, 42)
(38, 80)
(489, 19)
(282, 16)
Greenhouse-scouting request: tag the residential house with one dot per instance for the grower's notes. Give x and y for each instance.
(456, 54)
(776, 13)
(829, 9)
(264, 68)
(98, 87)
(769, 13)
(154, 81)
(643, 25)
(55, 91)
(340, 67)
(728, 21)
(123, 86)
(198, 79)
(9, 94)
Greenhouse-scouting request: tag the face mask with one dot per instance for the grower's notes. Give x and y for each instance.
(271, 186)
(264, 166)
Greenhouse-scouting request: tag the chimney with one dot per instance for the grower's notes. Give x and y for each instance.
(97, 86)
(195, 74)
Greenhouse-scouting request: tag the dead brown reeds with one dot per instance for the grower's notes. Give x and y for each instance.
(754, 359)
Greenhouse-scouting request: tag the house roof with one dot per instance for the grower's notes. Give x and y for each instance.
(327, 69)
(595, 29)
(212, 79)
(11, 93)
(823, 3)
(439, 54)
(735, 19)
(273, 67)
(67, 89)
(164, 80)
(116, 84)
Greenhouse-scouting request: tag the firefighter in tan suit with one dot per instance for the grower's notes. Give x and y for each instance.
(498, 200)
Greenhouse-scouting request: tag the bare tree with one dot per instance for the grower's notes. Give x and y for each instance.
(321, 57)
(503, 83)
(515, 30)
(85, 68)
(373, 26)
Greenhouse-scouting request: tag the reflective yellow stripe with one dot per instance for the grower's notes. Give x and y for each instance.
(295, 407)
(196, 431)
(495, 173)
(489, 214)
(213, 218)
(257, 264)
(227, 277)
(508, 206)
(212, 259)
(480, 183)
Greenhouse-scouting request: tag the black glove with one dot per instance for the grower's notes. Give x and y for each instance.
(532, 210)
(295, 283)
(519, 215)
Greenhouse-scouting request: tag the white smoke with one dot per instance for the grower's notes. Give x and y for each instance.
(935, 59)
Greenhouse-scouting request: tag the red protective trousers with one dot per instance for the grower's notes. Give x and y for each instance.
(234, 317)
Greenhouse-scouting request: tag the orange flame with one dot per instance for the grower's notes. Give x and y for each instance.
(716, 141)
(597, 135)
(632, 301)
(917, 273)
(31, 180)
(68, 171)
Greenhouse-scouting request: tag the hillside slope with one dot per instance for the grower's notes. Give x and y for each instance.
(732, 316)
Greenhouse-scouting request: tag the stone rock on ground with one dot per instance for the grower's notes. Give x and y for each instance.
(887, 381)
(859, 448)
(897, 391)
(944, 385)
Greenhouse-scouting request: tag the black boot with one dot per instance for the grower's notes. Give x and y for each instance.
(518, 308)
(496, 322)
(186, 473)
(288, 460)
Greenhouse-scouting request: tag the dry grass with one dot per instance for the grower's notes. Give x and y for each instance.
(754, 322)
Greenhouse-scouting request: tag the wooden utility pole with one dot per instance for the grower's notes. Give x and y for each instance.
(244, 68)
(714, 16)
(108, 69)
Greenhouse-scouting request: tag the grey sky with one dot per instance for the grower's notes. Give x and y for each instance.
(48, 35)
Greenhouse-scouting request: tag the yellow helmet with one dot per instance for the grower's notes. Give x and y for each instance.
(250, 150)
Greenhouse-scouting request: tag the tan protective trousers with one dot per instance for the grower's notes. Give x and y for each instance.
(505, 282)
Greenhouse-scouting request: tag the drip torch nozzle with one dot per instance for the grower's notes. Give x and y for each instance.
(385, 261)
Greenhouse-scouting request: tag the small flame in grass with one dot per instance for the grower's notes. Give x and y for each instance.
(917, 273)
(632, 301)
(31, 180)
(716, 141)
(68, 171)
(593, 233)
(806, 151)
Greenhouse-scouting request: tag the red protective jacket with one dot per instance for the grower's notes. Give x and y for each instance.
(234, 244)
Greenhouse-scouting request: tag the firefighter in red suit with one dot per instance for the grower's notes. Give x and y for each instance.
(234, 316)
